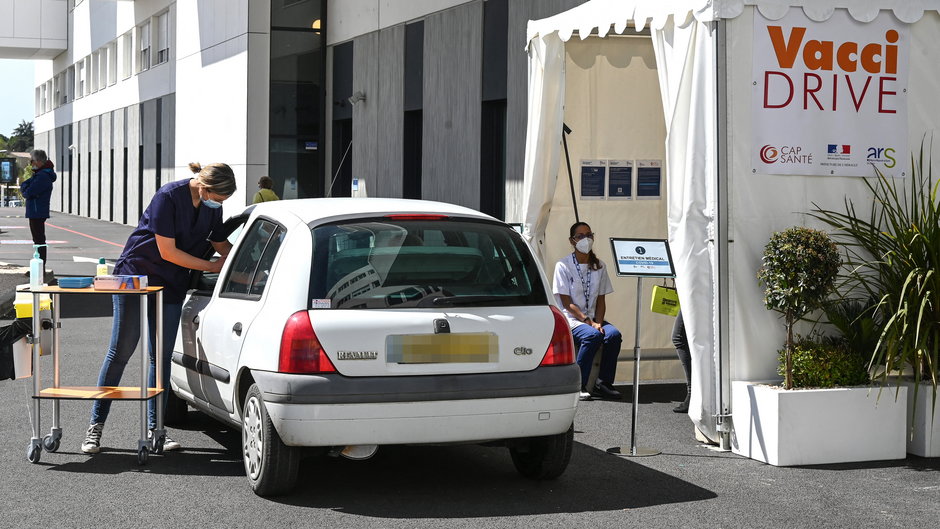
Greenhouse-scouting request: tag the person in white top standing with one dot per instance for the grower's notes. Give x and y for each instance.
(580, 286)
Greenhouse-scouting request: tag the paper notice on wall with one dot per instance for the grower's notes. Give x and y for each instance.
(649, 179)
(620, 179)
(830, 98)
(593, 178)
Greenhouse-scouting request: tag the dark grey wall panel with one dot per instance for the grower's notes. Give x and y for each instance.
(117, 185)
(80, 186)
(365, 113)
(148, 130)
(132, 138)
(94, 175)
(452, 65)
(388, 175)
(517, 100)
(168, 139)
(107, 133)
(413, 82)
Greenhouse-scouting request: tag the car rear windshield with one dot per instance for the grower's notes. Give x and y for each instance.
(393, 263)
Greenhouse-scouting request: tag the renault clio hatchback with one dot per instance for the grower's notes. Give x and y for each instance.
(353, 323)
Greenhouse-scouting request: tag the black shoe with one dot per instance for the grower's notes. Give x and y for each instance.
(605, 391)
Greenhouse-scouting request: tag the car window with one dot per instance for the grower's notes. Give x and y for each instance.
(251, 264)
(412, 263)
(204, 282)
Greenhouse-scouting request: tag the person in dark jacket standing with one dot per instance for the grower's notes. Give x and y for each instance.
(37, 191)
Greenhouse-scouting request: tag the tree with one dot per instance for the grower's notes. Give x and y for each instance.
(22, 138)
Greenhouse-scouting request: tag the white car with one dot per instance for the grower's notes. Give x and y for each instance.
(352, 323)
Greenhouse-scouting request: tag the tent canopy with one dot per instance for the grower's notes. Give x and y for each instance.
(601, 15)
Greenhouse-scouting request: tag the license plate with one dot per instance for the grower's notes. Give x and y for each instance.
(444, 348)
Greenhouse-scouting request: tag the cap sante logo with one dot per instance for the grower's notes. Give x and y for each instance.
(769, 153)
(786, 154)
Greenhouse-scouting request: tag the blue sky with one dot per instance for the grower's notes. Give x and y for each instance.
(16, 94)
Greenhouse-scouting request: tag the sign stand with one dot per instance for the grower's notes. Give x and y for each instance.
(640, 258)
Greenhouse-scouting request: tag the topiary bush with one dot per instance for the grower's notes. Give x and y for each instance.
(799, 270)
(824, 362)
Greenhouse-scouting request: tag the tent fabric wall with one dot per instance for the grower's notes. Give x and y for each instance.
(686, 59)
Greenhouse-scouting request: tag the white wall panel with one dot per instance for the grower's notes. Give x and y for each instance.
(106, 175)
(452, 67)
(94, 174)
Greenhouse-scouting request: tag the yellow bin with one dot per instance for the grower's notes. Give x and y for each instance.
(24, 305)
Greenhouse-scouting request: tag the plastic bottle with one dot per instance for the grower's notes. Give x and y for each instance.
(102, 269)
(35, 268)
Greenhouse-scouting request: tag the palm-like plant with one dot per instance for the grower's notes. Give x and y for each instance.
(892, 256)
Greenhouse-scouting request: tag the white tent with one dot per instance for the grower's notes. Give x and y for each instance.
(722, 206)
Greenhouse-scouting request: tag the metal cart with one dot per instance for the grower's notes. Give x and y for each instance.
(50, 442)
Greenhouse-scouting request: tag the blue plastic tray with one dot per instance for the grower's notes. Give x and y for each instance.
(76, 282)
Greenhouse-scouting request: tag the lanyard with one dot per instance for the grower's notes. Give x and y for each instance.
(584, 285)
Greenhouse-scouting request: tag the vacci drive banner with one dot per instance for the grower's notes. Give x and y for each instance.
(830, 98)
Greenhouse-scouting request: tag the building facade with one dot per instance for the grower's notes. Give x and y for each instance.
(421, 99)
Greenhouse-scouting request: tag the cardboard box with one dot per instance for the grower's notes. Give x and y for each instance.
(120, 282)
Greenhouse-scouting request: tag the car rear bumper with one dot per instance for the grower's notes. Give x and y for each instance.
(422, 422)
(328, 410)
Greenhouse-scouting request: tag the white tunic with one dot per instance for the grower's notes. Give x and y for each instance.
(567, 281)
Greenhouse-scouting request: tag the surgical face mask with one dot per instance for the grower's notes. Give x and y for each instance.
(209, 203)
(584, 245)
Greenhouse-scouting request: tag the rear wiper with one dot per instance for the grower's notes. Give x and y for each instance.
(466, 300)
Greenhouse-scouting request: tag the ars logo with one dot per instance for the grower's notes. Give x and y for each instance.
(769, 153)
(883, 155)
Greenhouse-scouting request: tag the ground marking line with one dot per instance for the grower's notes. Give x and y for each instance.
(85, 235)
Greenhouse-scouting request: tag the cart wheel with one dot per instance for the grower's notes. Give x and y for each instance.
(33, 452)
(49, 443)
(142, 454)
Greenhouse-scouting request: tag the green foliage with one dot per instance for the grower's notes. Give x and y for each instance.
(799, 268)
(857, 321)
(22, 138)
(825, 362)
(892, 256)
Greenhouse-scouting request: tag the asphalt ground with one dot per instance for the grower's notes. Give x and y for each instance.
(688, 485)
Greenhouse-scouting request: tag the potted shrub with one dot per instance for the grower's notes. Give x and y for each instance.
(812, 419)
(893, 254)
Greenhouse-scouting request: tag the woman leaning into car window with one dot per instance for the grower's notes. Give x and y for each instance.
(580, 286)
(174, 232)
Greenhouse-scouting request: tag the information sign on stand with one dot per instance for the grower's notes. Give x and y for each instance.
(639, 258)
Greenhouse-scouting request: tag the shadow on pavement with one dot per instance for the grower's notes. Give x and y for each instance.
(476, 481)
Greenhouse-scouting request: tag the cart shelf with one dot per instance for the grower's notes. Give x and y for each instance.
(97, 393)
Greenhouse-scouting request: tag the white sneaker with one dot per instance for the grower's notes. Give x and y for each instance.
(92, 442)
(169, 445)
(585, 396)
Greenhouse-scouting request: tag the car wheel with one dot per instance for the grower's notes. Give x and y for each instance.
(543, 457)
(271, 466)
(176, 410)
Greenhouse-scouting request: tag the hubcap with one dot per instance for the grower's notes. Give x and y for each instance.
(252, 441)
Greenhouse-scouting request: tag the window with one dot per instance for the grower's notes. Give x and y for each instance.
(127, 55)
(103, 61)
(112, 63)
(252, 265)
(70, 84)
(38, 98)
(93, 74)
(162, 38)
(423, 263)
(80, 79)
(57, 91)
(143, 47)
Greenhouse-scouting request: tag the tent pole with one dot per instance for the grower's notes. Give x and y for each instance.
(565, 131)
(723, 414)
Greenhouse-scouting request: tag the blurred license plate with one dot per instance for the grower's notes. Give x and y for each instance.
(444, 348)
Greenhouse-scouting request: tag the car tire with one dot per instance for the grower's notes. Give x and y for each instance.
(543, 458)
(270, 465)
(176, 410)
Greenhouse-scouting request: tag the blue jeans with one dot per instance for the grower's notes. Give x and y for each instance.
(587, 340)
(125, 334)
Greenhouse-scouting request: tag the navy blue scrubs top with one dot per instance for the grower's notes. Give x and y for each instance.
(170, 214)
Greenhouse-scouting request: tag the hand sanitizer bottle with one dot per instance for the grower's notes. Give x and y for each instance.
(102, 269)
(35, 268)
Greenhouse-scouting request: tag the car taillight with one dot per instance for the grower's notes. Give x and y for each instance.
(416, 216)
(301, 351)
(561, 349)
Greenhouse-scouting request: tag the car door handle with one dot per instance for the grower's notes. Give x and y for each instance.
(237, 328)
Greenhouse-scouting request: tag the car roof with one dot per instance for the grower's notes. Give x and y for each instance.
(315, 209)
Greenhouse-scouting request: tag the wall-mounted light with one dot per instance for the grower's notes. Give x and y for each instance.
(357, 97)
(316, 24)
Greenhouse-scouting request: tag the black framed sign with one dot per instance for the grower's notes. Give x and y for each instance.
(642, 257)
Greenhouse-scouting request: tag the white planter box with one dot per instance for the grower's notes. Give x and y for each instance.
(817, 426)
(924, 441)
